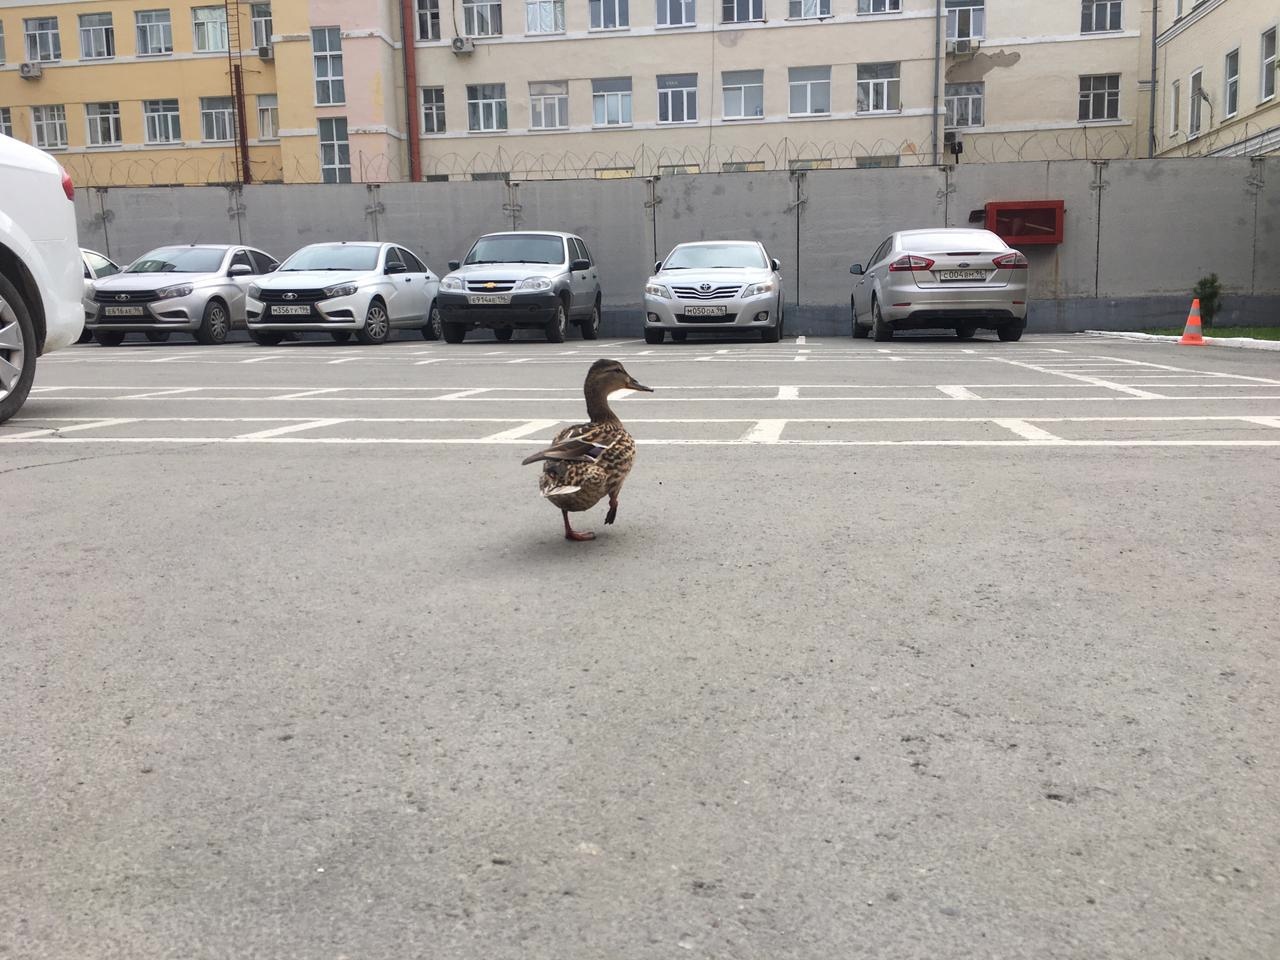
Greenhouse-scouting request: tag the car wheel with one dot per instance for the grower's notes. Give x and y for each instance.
(655, 336)
(453, 332)
(504, 333)
(215, 324)
(966, 331)
(558, 325)
(679, 336)
(591, 325)
(17, 350)
(879, 329)
(377, 325)
(158, 336)
(340, 336)
(860, 332)
(772, 334)
(266, 338)
(432, 330)
(85, 335)
(1011, 331)
(109, 338)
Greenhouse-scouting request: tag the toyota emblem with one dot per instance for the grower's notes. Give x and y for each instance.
(122, 296)
(291, 296)
(704, 287)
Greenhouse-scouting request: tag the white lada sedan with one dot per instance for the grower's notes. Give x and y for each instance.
(714, 286)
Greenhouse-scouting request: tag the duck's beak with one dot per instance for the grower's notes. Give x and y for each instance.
(632, 384)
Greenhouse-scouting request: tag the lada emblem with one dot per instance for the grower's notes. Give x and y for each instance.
(122, 296)
(291, 296)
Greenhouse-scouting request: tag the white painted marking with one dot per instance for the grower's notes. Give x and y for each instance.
(800, 358)
(1055, 350)
(517, 433)
(344, 360)
(463, 393)
(290, 428)
(765, 431)
(788, 393)
(521, 360)
(959, 393)
(1264, 421)
(267, 356)
(800, 339)
(151, 395)
(722, 351)
(1028, 431)
(423, 363)
(293, 396)
(1096, 381)
(166, 359)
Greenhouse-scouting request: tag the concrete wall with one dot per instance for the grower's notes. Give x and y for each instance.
(1138, 234)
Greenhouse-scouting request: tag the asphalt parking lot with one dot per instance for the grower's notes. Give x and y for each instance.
(920, 649)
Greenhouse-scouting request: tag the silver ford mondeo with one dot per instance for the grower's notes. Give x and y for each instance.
(715, 285)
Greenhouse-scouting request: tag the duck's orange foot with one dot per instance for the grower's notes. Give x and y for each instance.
(572, 534)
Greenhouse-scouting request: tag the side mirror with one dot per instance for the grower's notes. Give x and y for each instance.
(395, 268)
(856, 270)
(657, 267)
(775, 264)
(454, 264)
(239, 270)
(577, 265)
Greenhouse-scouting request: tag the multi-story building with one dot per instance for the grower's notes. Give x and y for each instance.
(1218, 73)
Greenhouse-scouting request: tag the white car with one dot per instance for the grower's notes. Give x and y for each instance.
(368, 289)
(41, 273)
(96, 267)
(714, 286)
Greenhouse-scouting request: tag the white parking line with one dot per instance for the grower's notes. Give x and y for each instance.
(1027, 431)
(263, 358)
(765, 431)
(302, 395)
(460, 394)
(788, 393)
(1264, 421)
(290, 428)
(153, 394)
(516, 433)
(959, 392)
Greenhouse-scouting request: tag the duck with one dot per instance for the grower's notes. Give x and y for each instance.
(590, 460)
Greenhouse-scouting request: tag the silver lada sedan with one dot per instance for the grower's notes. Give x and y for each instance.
(714, 286)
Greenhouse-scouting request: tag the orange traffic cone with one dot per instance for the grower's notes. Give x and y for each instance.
(1191, 335)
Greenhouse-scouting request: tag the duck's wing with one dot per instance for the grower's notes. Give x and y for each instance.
(580, 450)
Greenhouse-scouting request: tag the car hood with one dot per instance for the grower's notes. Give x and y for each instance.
(312, 279)
(508, 271)
(717, 278)
(122, 282)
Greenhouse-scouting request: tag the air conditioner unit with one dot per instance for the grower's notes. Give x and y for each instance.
(266, 52)
(30, 71)
(959, 46)
(463, 45)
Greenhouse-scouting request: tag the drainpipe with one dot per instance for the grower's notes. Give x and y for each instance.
(937, 75)
(1151, 118)
(407, 35)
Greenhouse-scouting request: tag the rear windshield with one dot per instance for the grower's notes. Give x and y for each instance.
(178, 260)
(709, 256)
(946, 242)
(335, 256)
(517, 248)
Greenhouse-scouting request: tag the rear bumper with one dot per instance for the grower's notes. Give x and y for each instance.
(524, 310)
(934, 317)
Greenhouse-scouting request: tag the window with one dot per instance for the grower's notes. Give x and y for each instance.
(676, 13)
(262, 263)
(49, 126)
(260, 23)
(428, 19)
(161, 120)
(815, 164)
(335, 151)
(217, 119)
(1, 42)
(879, 6)
(6, 122)
(741, 11)
(482, 18)
(1100, 97)
(549, 105)
(678, 98)
(486, 107)
(97, 36)
(611, 102)
(433, 110)
(743, 94)
(808, 9)
(240, 259)
(100, 266)
(615, 173)
(326, 46)
(268, 116)
(1231, 99)
(544, 16)
(209, 29)
(1268, 86)
(1194, 93)
(966, 19)
(1099, 15)
(500, 175)
(674, 169)
(1175, 107)
(43, 43)
(964, 104)
(155, 32)
(412, 262)
(610, 14)
(102, 124)
(742, 166)
(875, 163)
(810, 91)
(878, 88)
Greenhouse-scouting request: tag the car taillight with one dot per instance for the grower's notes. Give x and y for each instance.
(910, 262)
(68, 187)
(1011, 261)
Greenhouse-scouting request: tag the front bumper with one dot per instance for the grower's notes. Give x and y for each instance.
(177, 313)
(337, 313)
(532, 309)
(664, 314)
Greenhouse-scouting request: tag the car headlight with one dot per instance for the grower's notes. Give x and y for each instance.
(534, 283)
(758, 288)
(657, 290)
(451, 283)
(254, 290)
(179, 290)
(341, 290)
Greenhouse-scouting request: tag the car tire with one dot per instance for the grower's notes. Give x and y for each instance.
(1011, 331)
(772, 334)
(266, 338)
(966, 331)
(453, 332)
(158, 336)
(655, 336)
(432, 330)
(377, 324)
(215, 324)
(879, 328)
(85, 335)
(17, 347)
(503, 334)
(109, 338)
(340, 336)
(679, 336)
(558, 325)
(591, 325)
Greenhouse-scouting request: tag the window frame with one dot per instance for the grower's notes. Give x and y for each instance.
(259, 24)
(219, 18)
(1195, 104)
(472, 13)
(141, 29)
(556, 8)
(624, 100)
(496, 105)
(1175, 104)
(1268, 77)
(809, 88)
(688, 10)
(272, 111)
(1089, 16)
(341, 171)
(670, 94)
(334, 80)
(560, 99)
(6, 121)
(888, 88)
(39, 36)
(40, 125)
(105, 32)
(430, 9)
(951, 104)
(741, 87)
(754, 11)
(435, 109)
(956, 7)
(795, 9)
(621, 14)
(215, 116)
(172, 119)
(1108, 94)
(867, 8)
(1230, 85)
(94, 121)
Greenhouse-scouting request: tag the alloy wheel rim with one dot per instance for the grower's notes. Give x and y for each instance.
(12, 349)
(377, 323)
(218, 324)
(437, 325)
(560, 321)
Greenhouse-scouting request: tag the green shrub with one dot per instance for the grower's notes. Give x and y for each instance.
(1208, 290)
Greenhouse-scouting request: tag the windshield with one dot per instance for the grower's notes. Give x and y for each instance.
(179, 260)
(711, 256)
(333, 256)
(517, 248)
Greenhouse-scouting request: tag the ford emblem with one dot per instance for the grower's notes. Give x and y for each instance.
(122, 296)
(964, 264)
(291, 296)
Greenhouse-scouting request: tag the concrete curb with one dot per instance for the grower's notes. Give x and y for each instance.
(1240, 343)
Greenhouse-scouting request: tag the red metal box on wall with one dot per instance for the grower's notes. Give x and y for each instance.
(1023, 222)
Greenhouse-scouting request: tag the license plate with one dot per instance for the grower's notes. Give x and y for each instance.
(704, 311)
(962, 274)
(122, 311)
(290, 311)
(489, 298)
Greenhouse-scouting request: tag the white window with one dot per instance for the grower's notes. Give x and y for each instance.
(43, 42)
(1195, 91)
(1100, 97)
(6, 122)
(964, 104)
(544, 16)
(433, 110)
(1097, 16)
(879, 6)
(549, 105)
(486, 107)
(49, 125)
(743, 94)
(610, 14)
(876, 163)
(209, 29)
(611, 102)
(217, 119)
(268, 116)
(1, 42)
(1268, 86)
(260, 22)
(335, 150)
(1231, 97)
(678, 98)
(155, 32)
(808, 9)
(879, 88)
(428, 19)
(482, 18)
(676, 13)
(810, 91)
(326, 47)
(102, 122)
(162, 123)
(966, 19)
(741, 11)
(1175, 107)
(97, 36)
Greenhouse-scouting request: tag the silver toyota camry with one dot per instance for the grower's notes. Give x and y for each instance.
(714, 286)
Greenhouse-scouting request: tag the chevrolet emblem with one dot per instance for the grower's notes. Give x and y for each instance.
(489, 285)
